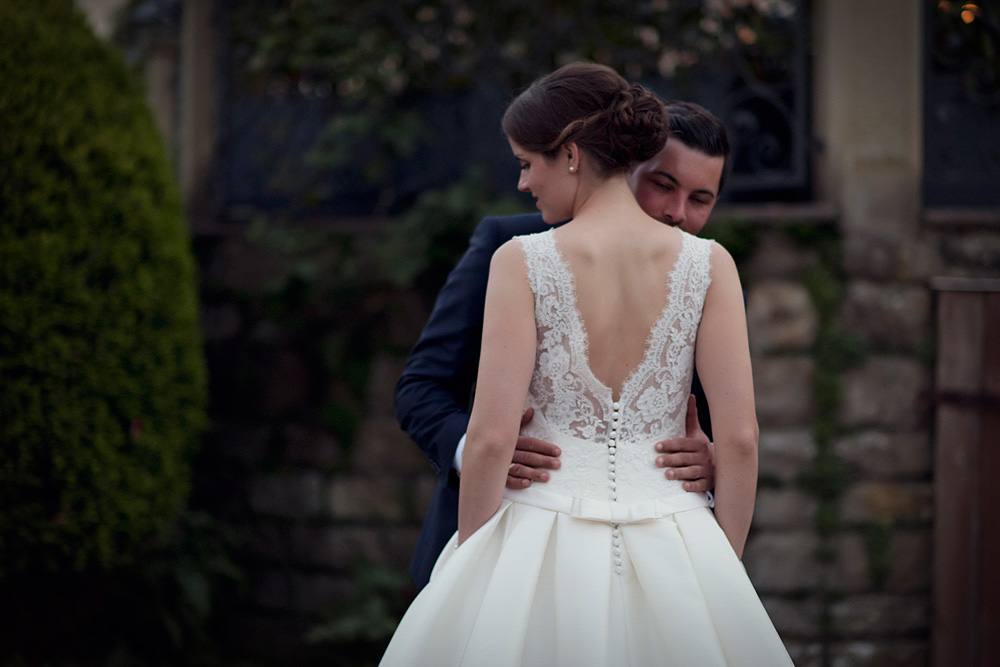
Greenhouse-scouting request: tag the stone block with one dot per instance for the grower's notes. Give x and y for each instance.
(423, 493)
(310, 446)
(292, 494)
(897, 653)
(783, 454)
(875, 257)
(380, 447)
(880, 615)
(886, 455)
(777, 256)
(272, 590)
(782, 562)
(972, 251)
(289, 591)
(794, 617)
(382, 378)
(780, 317)
(398, 545)
(362, 497)
(887, 316)
(313, 593)
(886, 392)
(269, 541)
(805, 654)
(284, 382)
(888, 502)
(911, 554)
(337, 547)
(879, 194)
(784, 509)
(851, 569)
(783, 390)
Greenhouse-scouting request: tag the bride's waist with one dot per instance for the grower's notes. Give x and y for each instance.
(625, 473)
(607, 511)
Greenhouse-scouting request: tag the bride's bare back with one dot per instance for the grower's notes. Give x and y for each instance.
(622, 284)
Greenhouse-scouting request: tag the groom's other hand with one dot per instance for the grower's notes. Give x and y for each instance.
(531, 458)
(689, 458)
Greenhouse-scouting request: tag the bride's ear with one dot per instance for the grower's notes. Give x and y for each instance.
(571, 154)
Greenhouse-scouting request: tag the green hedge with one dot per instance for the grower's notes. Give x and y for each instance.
(102, 381)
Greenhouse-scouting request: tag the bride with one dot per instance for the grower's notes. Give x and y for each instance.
(597, 326)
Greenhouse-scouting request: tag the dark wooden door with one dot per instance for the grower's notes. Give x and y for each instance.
(966, 630)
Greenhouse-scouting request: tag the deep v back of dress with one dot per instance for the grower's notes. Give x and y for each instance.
(608, 445)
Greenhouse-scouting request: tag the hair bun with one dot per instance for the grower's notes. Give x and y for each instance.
(617, 123)
(620, 108)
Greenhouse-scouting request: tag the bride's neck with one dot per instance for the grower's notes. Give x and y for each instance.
(610, 197)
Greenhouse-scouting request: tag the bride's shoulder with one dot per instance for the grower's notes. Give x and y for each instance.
(510, 257)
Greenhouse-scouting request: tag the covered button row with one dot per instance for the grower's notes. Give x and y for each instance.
(613, 449)
(616, 541)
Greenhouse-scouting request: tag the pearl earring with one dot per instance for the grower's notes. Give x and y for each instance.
(572, 169)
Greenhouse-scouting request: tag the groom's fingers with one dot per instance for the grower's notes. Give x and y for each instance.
(699, 445)
(687, 459)
(535, 460)
(681, 460)
(530, 460)
(692, 472)
(529, 444)
(520, 476)
(697, 486)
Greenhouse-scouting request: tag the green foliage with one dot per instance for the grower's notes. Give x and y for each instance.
(824, 291)
(737, 236)
(378, 60)
(878, 540)
(361, 625)
(184, 580)
(326, 298)
(332, 290)
(826, 480)
(820, 238)
(102, 383)
(425, 243)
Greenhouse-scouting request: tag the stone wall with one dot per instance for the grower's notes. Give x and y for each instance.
(840, 547)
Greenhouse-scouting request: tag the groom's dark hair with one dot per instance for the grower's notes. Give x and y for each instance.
(698, 128)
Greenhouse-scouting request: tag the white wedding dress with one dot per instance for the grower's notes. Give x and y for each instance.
(608, 563)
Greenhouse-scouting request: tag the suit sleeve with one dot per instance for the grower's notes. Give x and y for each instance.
(433, 395)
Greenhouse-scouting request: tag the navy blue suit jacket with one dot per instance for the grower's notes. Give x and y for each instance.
(433, 397)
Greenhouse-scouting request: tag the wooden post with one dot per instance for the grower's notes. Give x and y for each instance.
(966, 627)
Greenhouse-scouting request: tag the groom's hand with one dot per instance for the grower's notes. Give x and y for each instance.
(689, 458)
(531, 458)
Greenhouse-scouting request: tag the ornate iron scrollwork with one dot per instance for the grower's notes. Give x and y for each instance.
(962, 104)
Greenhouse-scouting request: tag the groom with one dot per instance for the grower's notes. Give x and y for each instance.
(433, 397)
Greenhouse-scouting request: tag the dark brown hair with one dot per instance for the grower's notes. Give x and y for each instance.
(698, 128)
(618, 124)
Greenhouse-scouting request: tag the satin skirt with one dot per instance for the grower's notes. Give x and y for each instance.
(553, 581)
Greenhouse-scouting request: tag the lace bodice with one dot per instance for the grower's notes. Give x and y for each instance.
(608, 446)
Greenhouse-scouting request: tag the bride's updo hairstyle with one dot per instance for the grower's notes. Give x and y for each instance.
(617, 123)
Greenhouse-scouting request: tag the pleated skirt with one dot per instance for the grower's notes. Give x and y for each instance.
(551, 581)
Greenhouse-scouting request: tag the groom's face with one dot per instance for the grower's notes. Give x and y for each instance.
(679, 186)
